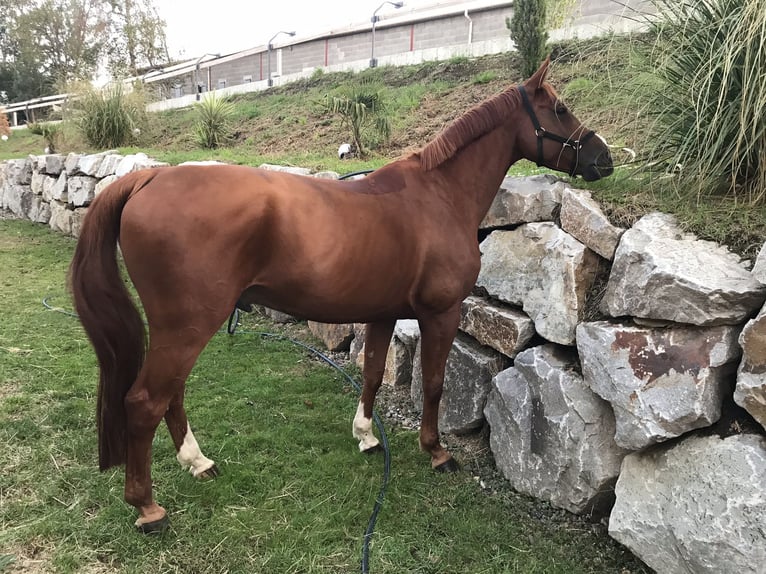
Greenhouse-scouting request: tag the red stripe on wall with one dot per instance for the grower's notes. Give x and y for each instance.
(260, 58)
(326, 52)
(412, 37)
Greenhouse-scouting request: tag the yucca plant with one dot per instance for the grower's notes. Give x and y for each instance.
(50, 131)
(711, 107)
(212, 127)
(362, 108)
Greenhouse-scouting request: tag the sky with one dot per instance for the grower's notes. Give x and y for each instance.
(196, 27)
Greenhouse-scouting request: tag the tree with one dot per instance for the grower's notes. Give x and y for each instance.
(46, 45)
(137, 38)
(528, 32)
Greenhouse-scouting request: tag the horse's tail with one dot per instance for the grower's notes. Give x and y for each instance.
(108, 314)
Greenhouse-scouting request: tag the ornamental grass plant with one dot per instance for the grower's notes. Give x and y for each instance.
(710, 108)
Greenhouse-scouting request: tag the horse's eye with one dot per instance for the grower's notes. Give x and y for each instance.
(561, 110)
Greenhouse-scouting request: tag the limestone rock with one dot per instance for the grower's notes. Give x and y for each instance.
(71, 163)
(750, 393)
(61, 218)
(58, 190)
(545, 271)
(400, 359)
(661, 273)
(503, 328)
(278, 316)
(327, 175)
(81, 190)
(467, 381)
(37, 183)
(135, 162)
(109, 164)
(90, 164)
(661, 383)
(50, 164)
(39, 210)
(400, 356)
(18, 199)
(552, 437)
(524, 200)
(336, 337)
(76, 219)
(18, 172)
(759, 268)
(286, 169)
(584, 220)
(698, 506)
(356, 349)
(104, 183)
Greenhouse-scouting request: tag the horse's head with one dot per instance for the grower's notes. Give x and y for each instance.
(550, 135)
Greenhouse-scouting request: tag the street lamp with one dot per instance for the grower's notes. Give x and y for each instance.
(270, 82)
(198, 86)
(374, 20)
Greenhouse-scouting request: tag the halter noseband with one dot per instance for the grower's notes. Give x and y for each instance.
(542, 133)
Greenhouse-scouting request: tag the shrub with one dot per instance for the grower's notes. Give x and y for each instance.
(711, 105)
(528, 32)
(212, 127)
(109, 117)
(362, 108)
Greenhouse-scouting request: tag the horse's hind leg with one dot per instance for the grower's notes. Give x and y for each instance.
(377, 339)
(170, 359)
(437, 334)
(188, 452)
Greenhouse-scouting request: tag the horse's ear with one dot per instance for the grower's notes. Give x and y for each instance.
(538, 78)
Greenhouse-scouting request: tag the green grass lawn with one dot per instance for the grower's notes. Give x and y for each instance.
(294, 494)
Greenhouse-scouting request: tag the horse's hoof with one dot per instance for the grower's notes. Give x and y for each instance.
(156, 527)
(449, 465)
(373, 449)
(210, 473)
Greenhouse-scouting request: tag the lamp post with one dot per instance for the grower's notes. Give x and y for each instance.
(270, 82)
(198, 86)
(374, 20)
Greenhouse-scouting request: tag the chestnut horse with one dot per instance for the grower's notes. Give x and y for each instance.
(198, 240)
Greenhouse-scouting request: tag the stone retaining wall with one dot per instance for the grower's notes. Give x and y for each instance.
(598, 400)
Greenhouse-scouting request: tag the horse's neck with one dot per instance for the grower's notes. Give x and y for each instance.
(477, 171)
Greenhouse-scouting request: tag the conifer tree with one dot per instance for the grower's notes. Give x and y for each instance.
(528, 32)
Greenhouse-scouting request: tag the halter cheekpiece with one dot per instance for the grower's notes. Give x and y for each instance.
(542, 134)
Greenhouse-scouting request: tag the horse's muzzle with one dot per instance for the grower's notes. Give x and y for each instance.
(602, 167)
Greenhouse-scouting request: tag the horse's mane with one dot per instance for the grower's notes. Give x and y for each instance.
(473, 124)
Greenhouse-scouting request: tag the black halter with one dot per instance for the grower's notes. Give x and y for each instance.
(542, 133)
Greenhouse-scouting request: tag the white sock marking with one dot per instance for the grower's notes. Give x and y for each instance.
(191, 457)
(362, 430)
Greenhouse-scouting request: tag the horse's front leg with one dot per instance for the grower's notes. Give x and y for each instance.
(188, 452)
(437, 332)
(376, 342)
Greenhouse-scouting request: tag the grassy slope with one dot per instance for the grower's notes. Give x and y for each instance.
(294, 496)
(599, 79)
